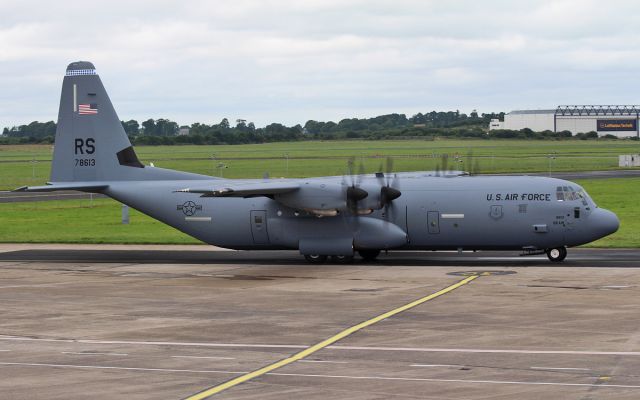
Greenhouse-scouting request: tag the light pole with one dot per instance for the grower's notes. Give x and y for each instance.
(286, 156)
(33, 169)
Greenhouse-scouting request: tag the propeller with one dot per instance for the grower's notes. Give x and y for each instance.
(354, 192)
(388, 193)
(441, 165)
(473, 164)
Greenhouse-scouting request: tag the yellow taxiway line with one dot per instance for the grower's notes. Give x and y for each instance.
(327, 342)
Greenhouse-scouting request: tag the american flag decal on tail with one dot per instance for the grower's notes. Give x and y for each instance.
(87, 109)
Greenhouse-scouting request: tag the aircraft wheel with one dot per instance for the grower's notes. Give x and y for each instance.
(342, 259)
(315, 258)
(369, 255)
(557, 254)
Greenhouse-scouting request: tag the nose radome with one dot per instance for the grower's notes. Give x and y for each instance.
(605, 222)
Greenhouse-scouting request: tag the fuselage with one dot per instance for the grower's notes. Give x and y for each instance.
(325, 216)
(433, 213)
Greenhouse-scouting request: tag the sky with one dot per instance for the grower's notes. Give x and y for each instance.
(290, 61)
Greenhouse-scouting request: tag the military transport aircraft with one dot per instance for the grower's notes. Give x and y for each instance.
(324, 216)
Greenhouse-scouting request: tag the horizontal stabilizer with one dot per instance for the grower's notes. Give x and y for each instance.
(245, 189)
(80, 186)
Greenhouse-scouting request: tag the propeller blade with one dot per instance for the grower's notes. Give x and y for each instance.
(389, 166)
(361, 173)
(476, 167)
(354, 195)
(389, 169)
(387, 193)
(350, 163)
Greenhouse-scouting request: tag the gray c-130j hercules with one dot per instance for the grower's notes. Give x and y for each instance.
(323, 216)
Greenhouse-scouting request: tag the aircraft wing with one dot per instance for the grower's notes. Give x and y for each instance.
(244, 189)
(81, 186)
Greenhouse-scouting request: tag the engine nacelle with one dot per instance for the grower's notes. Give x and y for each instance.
(314, 195)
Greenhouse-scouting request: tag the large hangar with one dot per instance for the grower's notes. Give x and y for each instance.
(617, 120)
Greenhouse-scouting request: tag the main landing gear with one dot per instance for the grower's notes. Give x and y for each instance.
(557, 254)
(315, 258)
(367, 255)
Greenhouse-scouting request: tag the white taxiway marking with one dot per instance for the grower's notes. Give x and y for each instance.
(560, 369)
(322, 361)
(209, 357)
(147, 343)
(295, 346)
(498, 351)
(80, 353)
(387, 378)
(615, 287)
(471, 381)
(437, 365)
(120, 368)
(36, 285)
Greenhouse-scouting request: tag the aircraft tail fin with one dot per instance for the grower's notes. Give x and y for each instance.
(90, 144)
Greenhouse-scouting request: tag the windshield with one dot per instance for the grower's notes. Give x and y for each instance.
(568, 193)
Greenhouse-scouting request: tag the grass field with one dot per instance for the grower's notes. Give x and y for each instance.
(83, 221)
(30, 164)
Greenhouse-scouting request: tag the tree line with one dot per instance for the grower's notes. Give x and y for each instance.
(391, 126)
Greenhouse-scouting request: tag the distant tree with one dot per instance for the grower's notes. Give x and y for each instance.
(224, 124)
(313, 127)
(131, 127)
(149, 127)
(165, 127)
(241, 124)
(564, 134)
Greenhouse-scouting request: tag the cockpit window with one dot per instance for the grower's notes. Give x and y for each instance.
(568, 193)
(584, 197)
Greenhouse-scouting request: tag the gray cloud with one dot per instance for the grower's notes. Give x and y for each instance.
(289, 61)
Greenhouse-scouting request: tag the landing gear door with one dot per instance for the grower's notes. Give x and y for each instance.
(259, 227)
(433, 221)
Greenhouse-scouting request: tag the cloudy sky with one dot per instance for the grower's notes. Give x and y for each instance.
(293, 60)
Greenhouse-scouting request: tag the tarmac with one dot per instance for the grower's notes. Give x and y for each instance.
(169, 322)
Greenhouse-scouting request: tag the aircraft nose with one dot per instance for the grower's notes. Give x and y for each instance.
(605, 222)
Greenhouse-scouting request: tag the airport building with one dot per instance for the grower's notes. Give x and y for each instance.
(621, 121)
